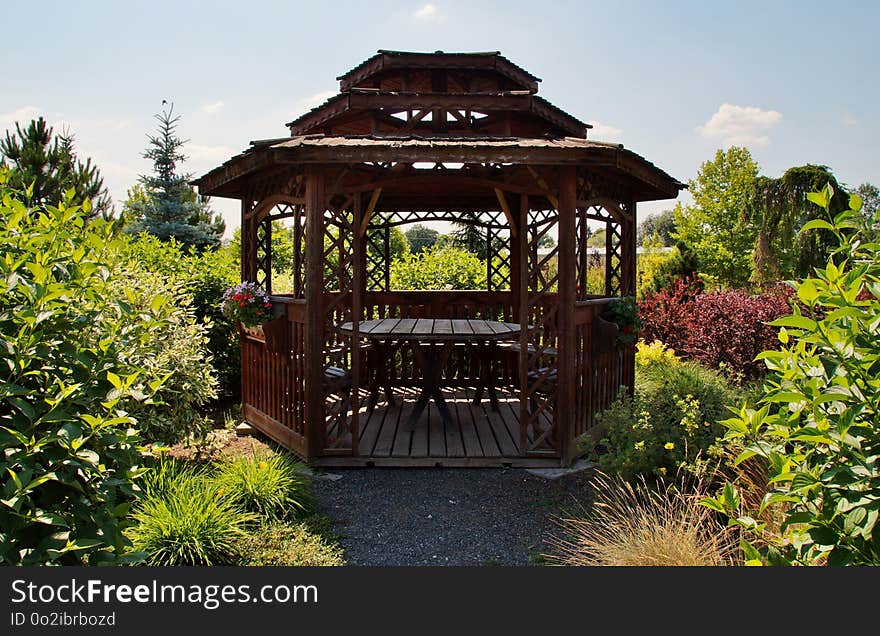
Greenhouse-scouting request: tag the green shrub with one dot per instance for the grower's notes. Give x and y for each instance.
(816, 425)
(173, 348)
(439, 268)
(670, 424)
(183, 520)
(308, 543)
(69, 381)
(203, 277)
(273, 486)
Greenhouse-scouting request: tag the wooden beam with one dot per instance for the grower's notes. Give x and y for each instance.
(543, 185)
(368, 214)
(502, 200)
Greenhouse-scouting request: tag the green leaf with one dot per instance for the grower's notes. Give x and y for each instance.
(796, 321)
(730, 497)
(822, 199)
(115, 380)
(712, 504)
(817, 224)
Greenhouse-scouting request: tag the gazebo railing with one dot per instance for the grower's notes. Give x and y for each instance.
(273, 381)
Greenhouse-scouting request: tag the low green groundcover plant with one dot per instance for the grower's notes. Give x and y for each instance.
(816, 425)
(182, 519)
(273, 486)
(309, 543)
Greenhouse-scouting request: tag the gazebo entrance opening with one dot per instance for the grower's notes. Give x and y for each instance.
(526, 365)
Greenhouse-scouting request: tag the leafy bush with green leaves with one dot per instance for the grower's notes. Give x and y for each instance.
(816, 424)
(174, 349)
(69, 381)
(439, 268)
(203, 277)
(182, 519)
(670, 423)
(274, 486)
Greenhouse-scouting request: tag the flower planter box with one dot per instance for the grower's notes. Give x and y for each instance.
(277, 335)
(604, 335)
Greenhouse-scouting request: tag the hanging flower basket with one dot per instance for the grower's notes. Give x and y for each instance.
(247, 304)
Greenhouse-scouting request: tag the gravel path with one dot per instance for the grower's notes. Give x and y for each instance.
(445, 516)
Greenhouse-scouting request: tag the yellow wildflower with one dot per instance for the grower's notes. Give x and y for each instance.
(263, 465)
(668, 445)
(662, 470)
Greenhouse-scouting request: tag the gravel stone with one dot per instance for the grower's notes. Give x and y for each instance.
(453, 516)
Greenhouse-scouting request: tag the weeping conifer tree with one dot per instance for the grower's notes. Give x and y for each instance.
(780, 208)
(171, 208)
(43, 166)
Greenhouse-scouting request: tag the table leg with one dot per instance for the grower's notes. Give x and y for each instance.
(431, 364)
(486, 354)
(379, 377)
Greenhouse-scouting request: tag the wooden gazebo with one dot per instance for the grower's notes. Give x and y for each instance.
(415, 137)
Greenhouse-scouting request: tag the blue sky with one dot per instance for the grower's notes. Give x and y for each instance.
(796, 82)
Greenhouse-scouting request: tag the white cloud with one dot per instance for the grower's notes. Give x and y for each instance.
(21, 115)
(309, 103)
(211, 154)
(604, 132)
(740, 125)
(849, 120)
(427, 13)
(213, 107)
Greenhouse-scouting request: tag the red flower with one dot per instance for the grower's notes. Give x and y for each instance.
(241, 303)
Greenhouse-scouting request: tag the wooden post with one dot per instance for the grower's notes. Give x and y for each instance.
(628, 252)
(565, 396)
(248, 241)
(314, 328)
(358, 288)
(267, 261)
(521, 306)
(517, 253)
(609, 248)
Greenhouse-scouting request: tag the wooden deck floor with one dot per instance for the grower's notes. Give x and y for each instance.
(477, 436)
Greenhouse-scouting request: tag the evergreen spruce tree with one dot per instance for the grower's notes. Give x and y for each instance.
(43, 166)
(172, 209)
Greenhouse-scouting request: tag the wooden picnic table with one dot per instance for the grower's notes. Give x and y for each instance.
(431, 340)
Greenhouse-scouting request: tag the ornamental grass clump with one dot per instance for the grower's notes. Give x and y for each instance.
(273, 486)
(183, 519)
(639, 525)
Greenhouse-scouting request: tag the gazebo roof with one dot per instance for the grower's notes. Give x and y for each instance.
(475, 109)
(385, 60)
(652, 182)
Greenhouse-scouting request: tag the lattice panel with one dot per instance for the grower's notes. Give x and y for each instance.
(588, 259)
(539, 428)
(378, 259)
(497, 259)
(492, 219)
(613, 260)
(263, 256)
(339, 257)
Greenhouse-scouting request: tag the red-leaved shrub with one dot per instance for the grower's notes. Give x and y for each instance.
(720, 329)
